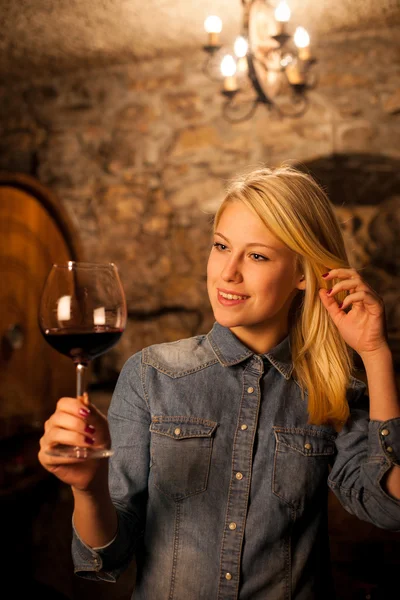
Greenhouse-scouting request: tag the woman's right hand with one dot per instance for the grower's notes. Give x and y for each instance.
(76, 422)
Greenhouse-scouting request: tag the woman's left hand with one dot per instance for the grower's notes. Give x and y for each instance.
(363, 327)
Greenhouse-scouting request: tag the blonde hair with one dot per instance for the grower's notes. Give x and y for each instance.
(299, 213)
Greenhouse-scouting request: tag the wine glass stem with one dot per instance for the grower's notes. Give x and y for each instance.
(80, 379)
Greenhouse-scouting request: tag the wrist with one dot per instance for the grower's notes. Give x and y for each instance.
(96, 486)
(87, 493)
(384, 352)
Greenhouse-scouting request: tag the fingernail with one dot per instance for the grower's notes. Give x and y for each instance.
(84, 412)
(89, 440)
(325, 274)
(340, 305)
(329, 291)
(90, 429)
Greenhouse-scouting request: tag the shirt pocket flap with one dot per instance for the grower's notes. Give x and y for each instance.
(180, 428)
(306, 442)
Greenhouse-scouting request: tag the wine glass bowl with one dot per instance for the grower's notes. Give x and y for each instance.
(82, 314)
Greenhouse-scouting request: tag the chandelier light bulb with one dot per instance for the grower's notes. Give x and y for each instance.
(228, 70)
(282, 16)
(228, 66)
(241, 46)
(282, 12)
(301, 37)
(213, 24)
(302, 41)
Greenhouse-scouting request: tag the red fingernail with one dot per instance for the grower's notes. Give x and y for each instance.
(329, 291)
(90, 429)
(325, 274)
(84, 412)
(340, 305)
(89, 440)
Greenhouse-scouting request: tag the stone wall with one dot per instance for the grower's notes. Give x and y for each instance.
(140, 156)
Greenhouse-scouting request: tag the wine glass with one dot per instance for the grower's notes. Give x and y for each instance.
(82, 314)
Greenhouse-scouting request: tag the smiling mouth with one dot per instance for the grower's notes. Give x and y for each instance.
(231, 296)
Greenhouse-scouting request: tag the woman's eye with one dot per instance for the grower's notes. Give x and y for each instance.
(219, 246)
(259, 257)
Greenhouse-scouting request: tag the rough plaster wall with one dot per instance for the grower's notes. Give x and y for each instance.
(140, 156)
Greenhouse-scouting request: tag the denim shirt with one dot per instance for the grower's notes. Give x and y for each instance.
(219, 481)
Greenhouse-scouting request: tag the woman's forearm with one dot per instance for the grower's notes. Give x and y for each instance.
(383, 394)
(384, 401)
(95, 518)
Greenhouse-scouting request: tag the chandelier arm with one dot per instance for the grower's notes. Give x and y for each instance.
(261, 95)
(303, 106)
(270, 91)
(242, 118)
(207, 69)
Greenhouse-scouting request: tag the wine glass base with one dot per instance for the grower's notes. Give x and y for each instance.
(78, 452)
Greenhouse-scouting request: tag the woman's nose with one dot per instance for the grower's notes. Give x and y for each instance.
(231, 271)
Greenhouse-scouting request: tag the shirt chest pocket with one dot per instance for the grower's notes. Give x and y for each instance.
(180, 454)
(301, 465)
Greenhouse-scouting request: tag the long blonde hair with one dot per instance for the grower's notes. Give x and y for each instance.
(297, 211)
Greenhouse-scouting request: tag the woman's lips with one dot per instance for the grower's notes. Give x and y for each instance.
(235, 300)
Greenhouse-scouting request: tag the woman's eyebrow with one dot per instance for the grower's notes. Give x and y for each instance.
(251, 245)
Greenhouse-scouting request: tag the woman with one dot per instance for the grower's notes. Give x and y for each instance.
(224, 443)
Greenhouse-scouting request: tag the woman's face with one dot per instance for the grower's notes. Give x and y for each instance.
(251, 279)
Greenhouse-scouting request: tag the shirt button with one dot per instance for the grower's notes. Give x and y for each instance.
(228, 576)
(232, 526)
(307, 446)
(239, 476)
(250, 390)
(243, 427)
(385, 432)
(389, 449)
(177, 431)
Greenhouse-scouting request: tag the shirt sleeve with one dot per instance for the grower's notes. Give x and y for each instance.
(365, 451)
(129, 422)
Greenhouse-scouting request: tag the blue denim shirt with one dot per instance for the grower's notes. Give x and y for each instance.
(220, 483)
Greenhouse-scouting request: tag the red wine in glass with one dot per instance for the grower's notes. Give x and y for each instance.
(83, 346)
(82, 315)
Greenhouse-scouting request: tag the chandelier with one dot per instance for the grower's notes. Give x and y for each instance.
(265, 64)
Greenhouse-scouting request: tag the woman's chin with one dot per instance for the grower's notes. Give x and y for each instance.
(226, 320)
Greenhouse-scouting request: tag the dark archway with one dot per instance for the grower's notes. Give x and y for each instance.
(365, 189)
(357, 179)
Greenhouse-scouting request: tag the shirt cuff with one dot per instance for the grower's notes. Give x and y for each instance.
(106, 545)
(384, 437)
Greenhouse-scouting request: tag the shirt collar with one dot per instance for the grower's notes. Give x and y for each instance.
(231, 351)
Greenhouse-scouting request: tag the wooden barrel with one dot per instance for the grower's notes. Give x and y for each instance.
(35, 232)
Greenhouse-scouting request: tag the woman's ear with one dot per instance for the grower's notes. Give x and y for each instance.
(302, 283)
